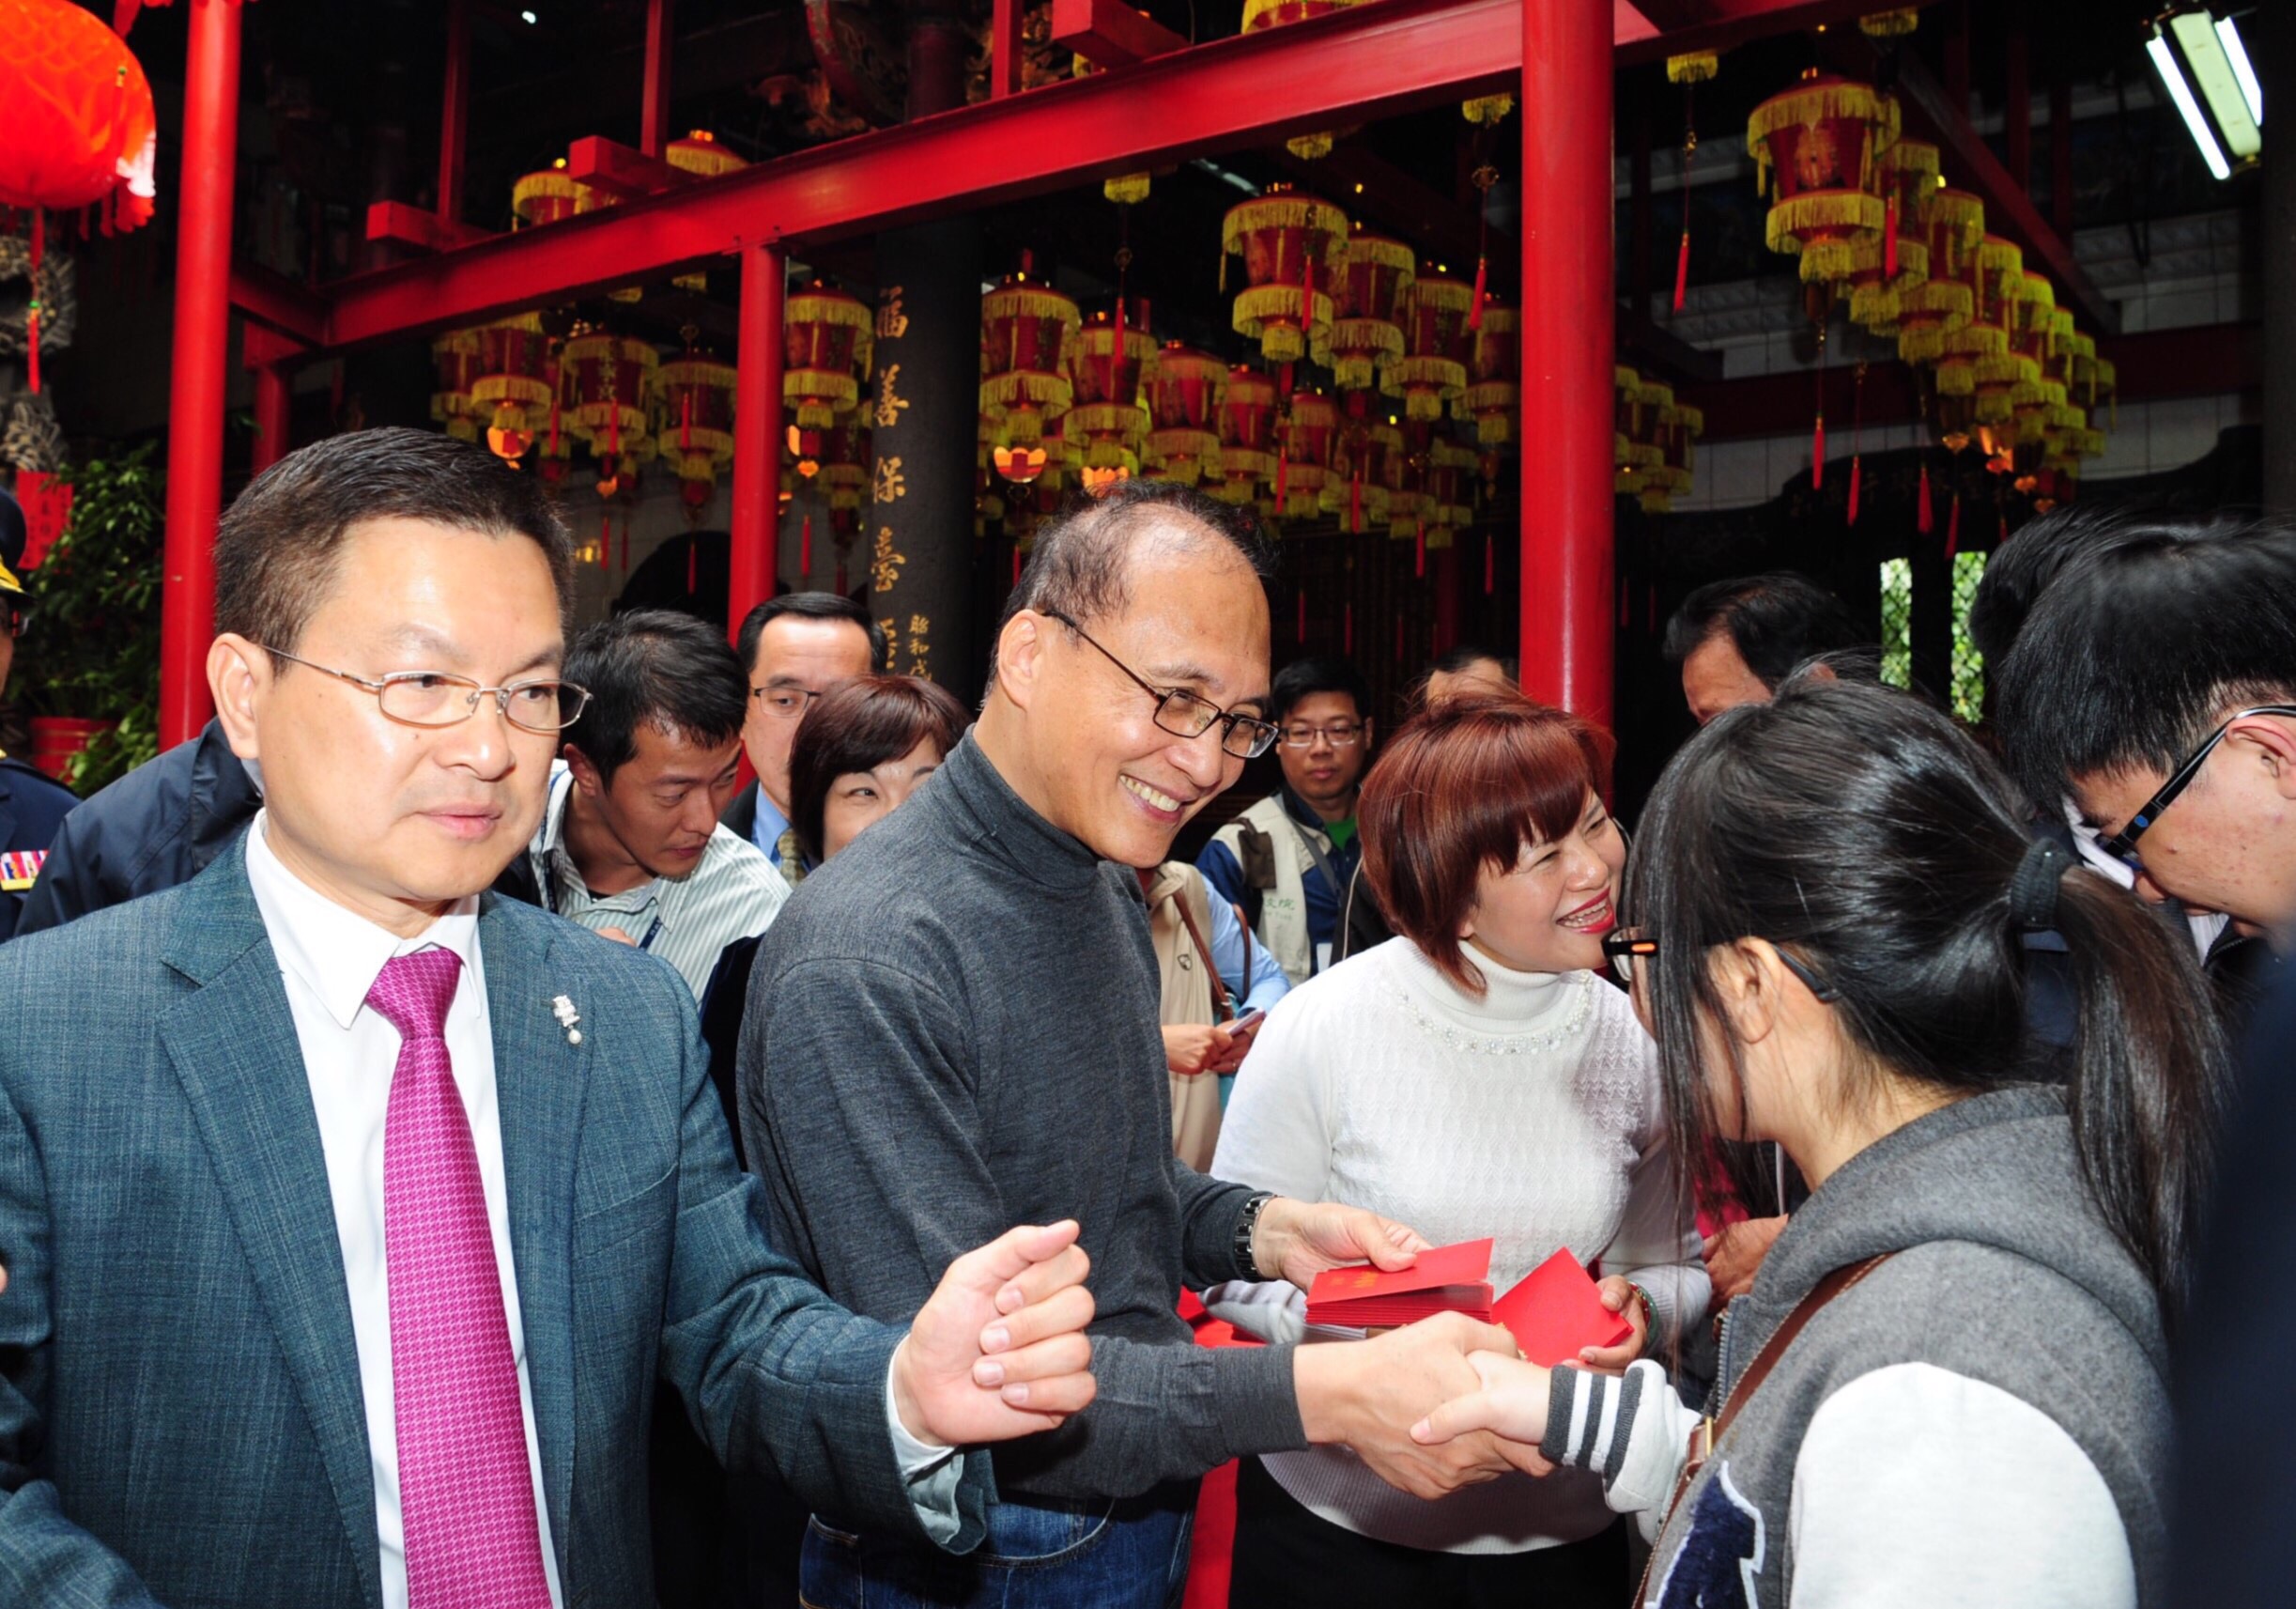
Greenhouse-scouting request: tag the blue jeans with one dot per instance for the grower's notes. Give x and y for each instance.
(1128, 1555)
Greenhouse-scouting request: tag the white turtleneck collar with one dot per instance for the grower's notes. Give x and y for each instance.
(1513, 1003)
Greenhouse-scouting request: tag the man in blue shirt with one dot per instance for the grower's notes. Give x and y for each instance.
(1289, 859)
(795, 647)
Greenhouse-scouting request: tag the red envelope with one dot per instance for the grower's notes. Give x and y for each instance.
(1448, 1280)
(1555, 1311)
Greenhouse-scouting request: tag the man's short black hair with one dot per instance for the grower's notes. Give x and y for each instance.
(810, 606)
(278, 545)
(1775, 622)
(1083, 557)
(2023, 568)
(1468, 654)
(2132, 657)
(658, 668)
(1316, 674)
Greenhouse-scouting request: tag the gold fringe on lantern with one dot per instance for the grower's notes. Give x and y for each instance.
(819, 396)
(547, 185)
(1875, 305)
(1976, 341)
(1694, 67)
(699, 153)
(1487, 110)
(1992, 408)
(1287, 210)
(1956, 376)
(1894, 23)
(2006, 369)
(1961, 219)
(1490, 403)
(1792, 220)
(1126, 189)
(1810, 104)
(1270, 312)
(1359, 349)
(1051, 393)
(1428, 383)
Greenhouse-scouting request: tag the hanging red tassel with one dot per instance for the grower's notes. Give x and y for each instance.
(804, 546)
(1953, 528)
(1856, 474)
(1890, 240)
(1817, 456)
(1682, 272)
(1116, 352)
(1419, 549)
(31, 320)
(1355, 503)
(685, 422)
(1283, 477)
(693, 566)
(1924, 521)
(1490, 547)
(1483, 271)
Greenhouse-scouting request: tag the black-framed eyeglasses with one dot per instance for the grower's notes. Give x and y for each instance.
(1624, 947)
(1182, 713)
(787, 703)
(1345, 737)
(2123, 845)
(434, 698)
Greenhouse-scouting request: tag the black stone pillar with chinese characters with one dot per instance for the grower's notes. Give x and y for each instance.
(918, 527)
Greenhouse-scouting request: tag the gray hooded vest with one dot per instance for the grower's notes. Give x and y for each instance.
(2003, 1272)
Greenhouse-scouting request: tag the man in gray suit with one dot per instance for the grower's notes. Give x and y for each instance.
(351, 1212)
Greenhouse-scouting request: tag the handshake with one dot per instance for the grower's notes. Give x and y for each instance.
(999, 1352)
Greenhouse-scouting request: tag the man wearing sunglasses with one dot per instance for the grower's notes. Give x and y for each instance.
(32, 803)
(958, 1018)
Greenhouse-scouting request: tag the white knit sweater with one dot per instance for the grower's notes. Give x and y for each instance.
(1531, 1115)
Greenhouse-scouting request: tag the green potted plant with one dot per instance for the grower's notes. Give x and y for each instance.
(88, 666)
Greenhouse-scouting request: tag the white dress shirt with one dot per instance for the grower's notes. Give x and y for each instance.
(328, 958)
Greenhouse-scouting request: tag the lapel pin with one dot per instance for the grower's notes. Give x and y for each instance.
(567, 1016)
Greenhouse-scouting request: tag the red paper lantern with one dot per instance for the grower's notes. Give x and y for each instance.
(1185, 389)
(1247, 436)
(1027, 333)
(76, 121)
(1816, 149)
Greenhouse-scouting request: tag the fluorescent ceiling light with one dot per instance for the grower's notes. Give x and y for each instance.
(2211, 69)
(2165, 62)
(2252, 92)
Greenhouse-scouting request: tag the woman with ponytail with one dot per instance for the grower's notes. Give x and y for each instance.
(1948, 1383)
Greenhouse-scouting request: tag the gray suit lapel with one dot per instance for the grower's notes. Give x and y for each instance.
(539, 1080)
(233, 1045)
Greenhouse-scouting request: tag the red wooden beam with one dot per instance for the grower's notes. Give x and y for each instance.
(653, 115)
(197, 376)
(280, 304)
(757, 433)
(1932, 115)
(608, 165)
(426, 231)
(454, 118)
(1004, 19)
(1109, 33)
(1567, 534)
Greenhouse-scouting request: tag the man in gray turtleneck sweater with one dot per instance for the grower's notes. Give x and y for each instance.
(955, 1021)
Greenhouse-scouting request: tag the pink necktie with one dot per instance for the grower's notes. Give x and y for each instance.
(465, 1490)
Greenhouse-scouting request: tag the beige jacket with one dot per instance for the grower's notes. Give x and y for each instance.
(1189, 996)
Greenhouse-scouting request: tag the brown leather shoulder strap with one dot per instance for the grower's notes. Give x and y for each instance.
(1825, 1291)
(1222, 1007)
(1708, 1434)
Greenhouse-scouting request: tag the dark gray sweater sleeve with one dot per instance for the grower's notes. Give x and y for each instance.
(1208, 1212)
(858, 1109)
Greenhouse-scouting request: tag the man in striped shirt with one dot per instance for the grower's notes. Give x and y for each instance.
(630, 846)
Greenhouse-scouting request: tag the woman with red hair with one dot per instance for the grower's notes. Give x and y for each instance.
(1471, 1076)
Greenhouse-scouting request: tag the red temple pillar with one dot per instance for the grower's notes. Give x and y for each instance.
(757, 432)
(1567, 253)
(274, 416)
(197, 395)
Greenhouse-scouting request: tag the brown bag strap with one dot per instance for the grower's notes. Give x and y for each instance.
(1223, 1008)
(1709, 1431)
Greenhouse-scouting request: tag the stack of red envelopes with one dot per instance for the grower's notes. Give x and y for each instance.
(1449, 1279)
